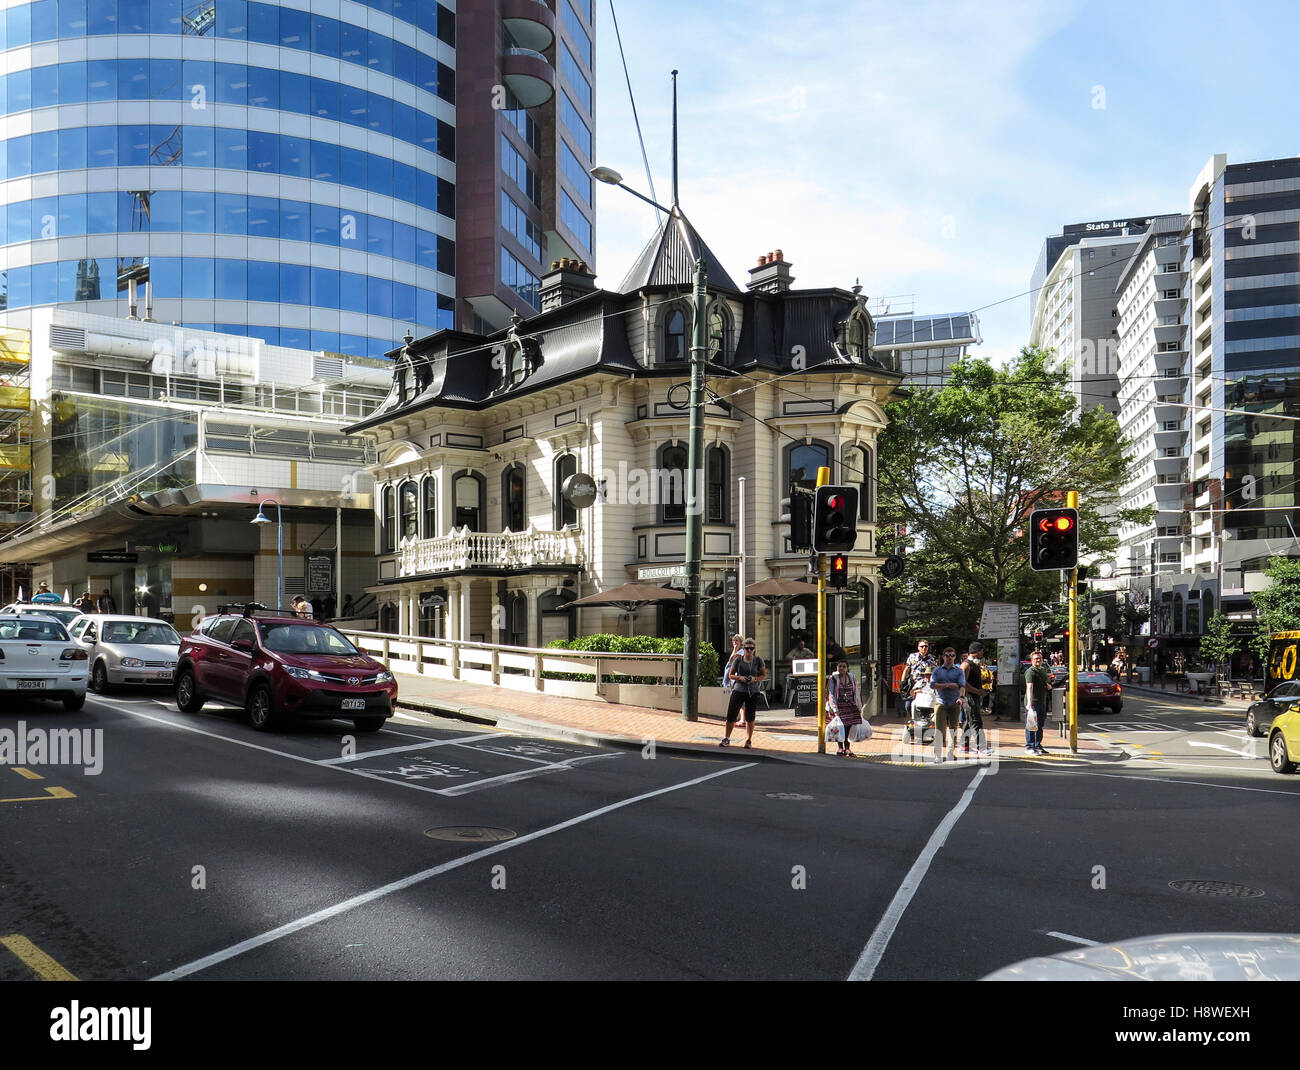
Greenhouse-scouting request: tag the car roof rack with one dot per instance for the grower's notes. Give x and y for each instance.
(256, 609)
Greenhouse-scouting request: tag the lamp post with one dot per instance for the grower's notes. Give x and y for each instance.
(694, 455)
(262, 518)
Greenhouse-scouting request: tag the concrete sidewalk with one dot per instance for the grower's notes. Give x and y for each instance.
(777, 735)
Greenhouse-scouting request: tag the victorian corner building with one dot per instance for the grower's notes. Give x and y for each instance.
(479, 433)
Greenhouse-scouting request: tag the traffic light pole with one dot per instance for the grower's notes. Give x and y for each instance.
(1072, 685)
(823, 477)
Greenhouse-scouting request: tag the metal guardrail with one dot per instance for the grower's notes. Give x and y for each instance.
(459, 655)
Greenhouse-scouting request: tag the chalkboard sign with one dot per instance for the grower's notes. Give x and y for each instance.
(320, 573)
(805, 696)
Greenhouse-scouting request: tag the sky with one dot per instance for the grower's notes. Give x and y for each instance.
(926, 149)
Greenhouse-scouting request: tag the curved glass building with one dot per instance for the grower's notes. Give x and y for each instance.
(279, 170)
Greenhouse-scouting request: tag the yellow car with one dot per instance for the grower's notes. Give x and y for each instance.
(1284, 740)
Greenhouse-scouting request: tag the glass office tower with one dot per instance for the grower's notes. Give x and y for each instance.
(268, 170)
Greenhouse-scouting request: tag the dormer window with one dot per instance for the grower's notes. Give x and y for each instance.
(855, 338)
(721, 346)
(672, 336)
(405, 381)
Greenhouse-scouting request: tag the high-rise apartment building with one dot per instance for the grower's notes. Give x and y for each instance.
(525, 125)
(1074, 311)
(1244, 268)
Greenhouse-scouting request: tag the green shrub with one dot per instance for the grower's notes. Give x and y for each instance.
(633, 644)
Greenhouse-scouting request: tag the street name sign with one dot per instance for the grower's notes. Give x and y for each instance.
(661, 572)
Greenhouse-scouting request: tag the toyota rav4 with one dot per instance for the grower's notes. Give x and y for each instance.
(278, 666)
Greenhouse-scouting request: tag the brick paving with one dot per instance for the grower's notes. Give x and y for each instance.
(777, 734)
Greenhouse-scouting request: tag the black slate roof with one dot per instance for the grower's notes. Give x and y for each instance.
(667, 260)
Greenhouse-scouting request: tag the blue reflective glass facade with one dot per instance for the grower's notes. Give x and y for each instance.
(270, 170)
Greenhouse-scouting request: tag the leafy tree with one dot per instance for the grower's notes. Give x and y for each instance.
(1218, 644)
(1277, 607)
(963, 467)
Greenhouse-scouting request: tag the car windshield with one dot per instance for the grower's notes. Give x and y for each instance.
(33, 629)
(126, 631)
(304, 639)
(64, 615)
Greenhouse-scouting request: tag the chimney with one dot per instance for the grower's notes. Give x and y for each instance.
(566, 281)
(772, 274)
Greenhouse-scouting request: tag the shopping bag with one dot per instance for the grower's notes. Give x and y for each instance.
(1031, 721)
(859, 732)
(835, 730)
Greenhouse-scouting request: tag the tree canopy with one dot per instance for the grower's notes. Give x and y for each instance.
(1277, 607)
(962, 467)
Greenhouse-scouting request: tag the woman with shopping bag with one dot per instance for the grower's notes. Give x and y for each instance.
(844, 701)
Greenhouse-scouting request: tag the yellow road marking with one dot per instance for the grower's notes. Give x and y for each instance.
(27, 773)
(50, 793)
(35, 959)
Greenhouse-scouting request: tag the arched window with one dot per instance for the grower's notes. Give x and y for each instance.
(410, 526)
(565, 514)
(670, 483)
(388, 521)
(802, 461)
(672, 342)
(514, 509)
(720, 343)
(430, 491)
(717, 469)
(515, 632)
(857, 469)
(388, 618)
(855, 337)
(555, 616)
(467, 493)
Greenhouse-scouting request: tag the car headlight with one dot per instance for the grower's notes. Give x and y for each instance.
(384, 678)
(303, 674)
(132, 663)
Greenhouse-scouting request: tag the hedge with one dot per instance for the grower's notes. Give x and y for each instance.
(634, 644)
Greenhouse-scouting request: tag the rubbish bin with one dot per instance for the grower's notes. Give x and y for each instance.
(804, 673)
(1144, 674)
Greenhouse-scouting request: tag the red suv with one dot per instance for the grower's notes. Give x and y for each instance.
(278, 665)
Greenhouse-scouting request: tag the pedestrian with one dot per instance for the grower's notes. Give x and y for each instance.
(920, 656)
(305, 609)
(348, 607)
(1038, 685)
(327, 607)
(106, 603)
(922, 699)
(747, 675)
(977, 695)
(44, 594)
(737, 642)
(844, 700)
(86, 604)
(834, 652)
(949, 682)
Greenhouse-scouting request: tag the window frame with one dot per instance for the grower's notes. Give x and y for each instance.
(565, 513)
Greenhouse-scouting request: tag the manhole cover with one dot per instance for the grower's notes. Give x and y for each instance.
(786, 795)
(470, 834)
(1222, 888)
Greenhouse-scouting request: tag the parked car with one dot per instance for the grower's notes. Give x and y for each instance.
(127, 650)
(39, 660)
(63, 612)
(277, 666)
(1261, 714)
(1096, 690)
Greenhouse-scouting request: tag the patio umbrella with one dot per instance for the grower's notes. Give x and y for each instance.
(630, 597)
(774, 592)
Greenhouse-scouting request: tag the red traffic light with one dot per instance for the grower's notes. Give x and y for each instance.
(835, 502)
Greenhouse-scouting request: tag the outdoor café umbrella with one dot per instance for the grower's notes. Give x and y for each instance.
(630, 597)
(772, 593)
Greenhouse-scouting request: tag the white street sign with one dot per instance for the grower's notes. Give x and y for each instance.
(661, 572)
(1000, 620)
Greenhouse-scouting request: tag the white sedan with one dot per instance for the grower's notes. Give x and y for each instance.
(127, 650)
(38, 660)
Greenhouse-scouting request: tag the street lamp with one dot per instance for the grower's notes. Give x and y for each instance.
(262, 518)
(694, 453)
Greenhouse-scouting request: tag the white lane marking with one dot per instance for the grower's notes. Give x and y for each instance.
(409, 747)
(461, 790)
(363, 899)
(1198, 783)
(1234, 751)
(879, 942)
(1075, 939)
(523, 774)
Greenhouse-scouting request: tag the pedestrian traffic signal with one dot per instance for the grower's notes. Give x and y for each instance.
(835, 520)
(839, 571)
(1053, 539)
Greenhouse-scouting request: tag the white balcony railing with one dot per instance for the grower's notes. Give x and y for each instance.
(465, 549)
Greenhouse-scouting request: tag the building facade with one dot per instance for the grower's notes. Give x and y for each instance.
(284, 171)
(154, 446)
(525, 77)
(1074, 303)
(925, 347)
(479, 433)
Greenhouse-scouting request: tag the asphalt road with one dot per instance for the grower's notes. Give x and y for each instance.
(436, 850)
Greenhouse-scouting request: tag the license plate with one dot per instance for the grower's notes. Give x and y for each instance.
(162, 676)
(354, 704)
(31, 685)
